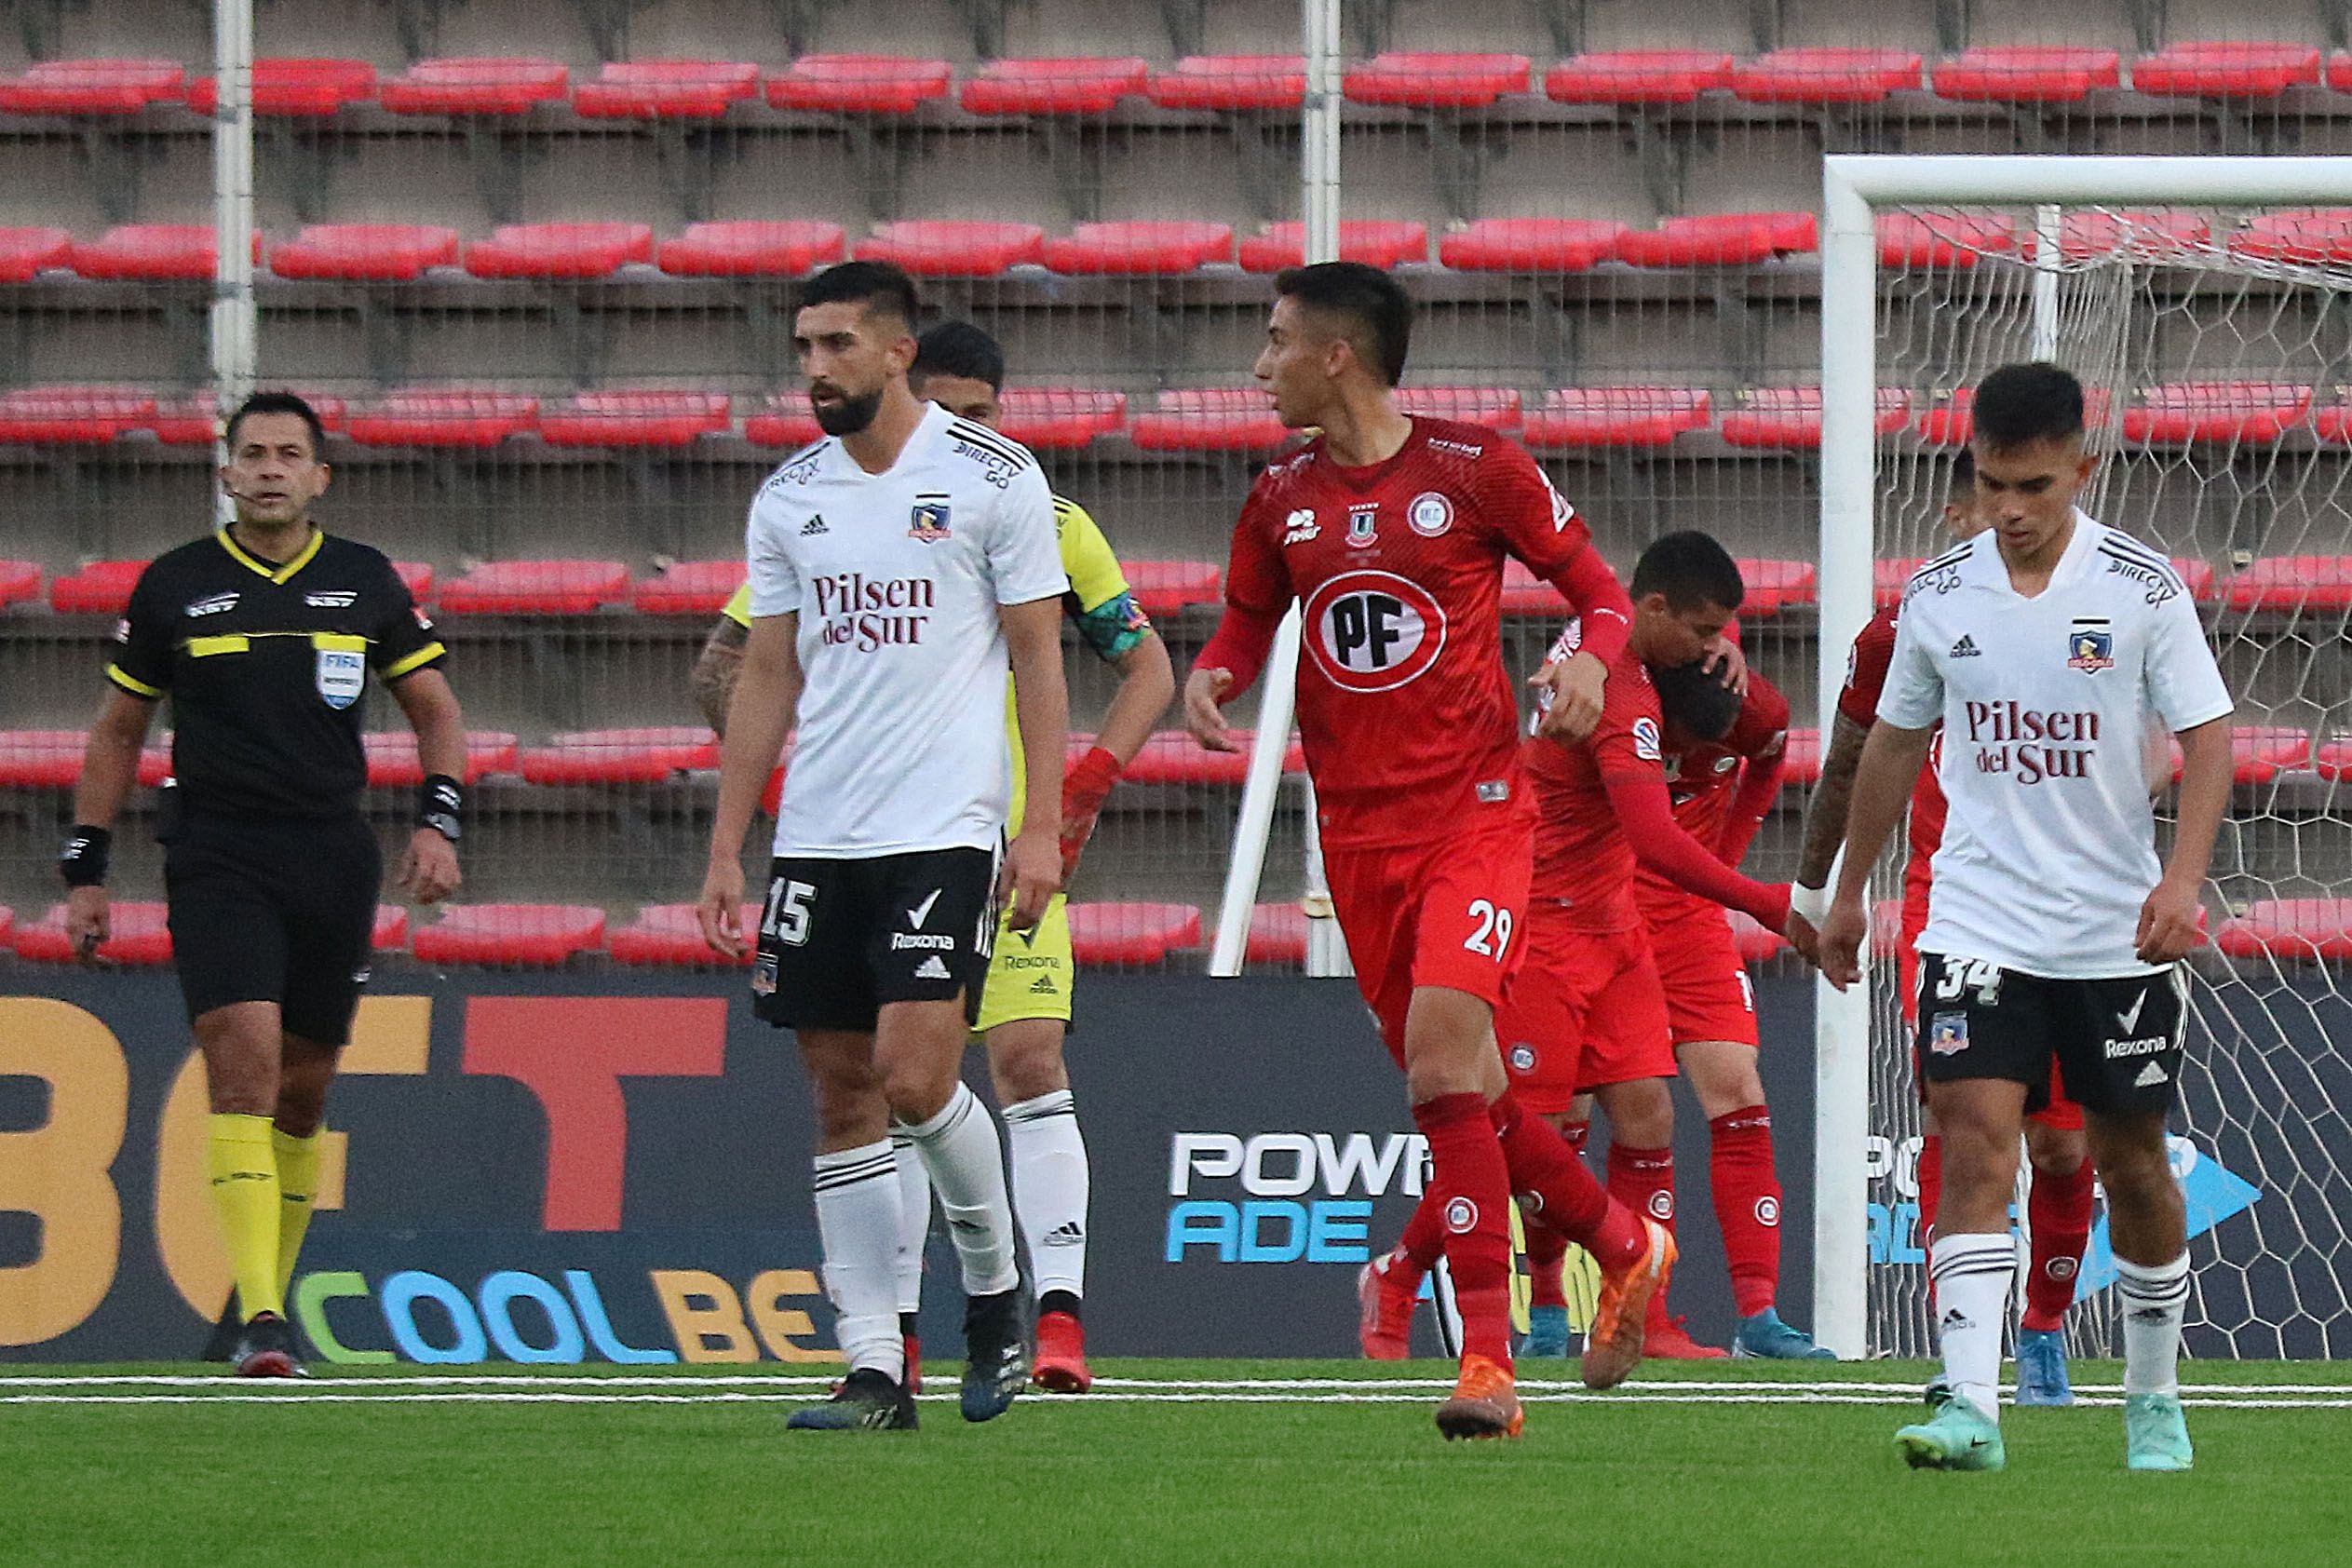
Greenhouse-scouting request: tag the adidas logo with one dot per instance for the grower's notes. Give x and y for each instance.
(1965, 648)
(931, 968)
(1956, 1318)
(1042, 986)
(2152, 1074)
(1067, 1233)
(814, 525)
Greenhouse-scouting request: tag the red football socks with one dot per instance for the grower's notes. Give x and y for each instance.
(1643, 1181)
(1571, 1202)
(1470, 1193)
(1547, 1260)
(1747, 1204)
(2059, 1209)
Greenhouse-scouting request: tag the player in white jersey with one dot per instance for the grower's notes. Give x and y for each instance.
(894, 567)
(2045, 646)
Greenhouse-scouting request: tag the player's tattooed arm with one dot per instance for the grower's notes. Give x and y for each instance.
(716, 668)
(1832, 799)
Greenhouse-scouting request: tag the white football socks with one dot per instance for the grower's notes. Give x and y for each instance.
(2155, 1300)
(914, 1221)
(1051, 1188)
(1972, 1275)
(960, 1149)
(857, 1216)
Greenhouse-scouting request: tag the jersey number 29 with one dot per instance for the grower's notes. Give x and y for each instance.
(1493, 936)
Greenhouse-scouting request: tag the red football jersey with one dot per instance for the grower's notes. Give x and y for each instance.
(1409, 717)
(1584, 862)
(1865, 678)
(1702, 776)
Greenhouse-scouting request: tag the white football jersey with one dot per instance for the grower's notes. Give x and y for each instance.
(2050, 847)
(896, 578)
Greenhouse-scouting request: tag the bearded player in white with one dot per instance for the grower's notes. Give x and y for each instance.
(2045, 646)
(899, 570)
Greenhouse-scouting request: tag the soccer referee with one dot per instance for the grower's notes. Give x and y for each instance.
(262, 636)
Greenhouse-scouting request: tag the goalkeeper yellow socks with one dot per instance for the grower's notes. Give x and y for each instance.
(244, 1171)
(297, 1190)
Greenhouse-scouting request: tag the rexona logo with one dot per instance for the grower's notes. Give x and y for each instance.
(1282, 1197)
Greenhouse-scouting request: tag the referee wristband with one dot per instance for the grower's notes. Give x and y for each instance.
(83, 861)
(441, 806)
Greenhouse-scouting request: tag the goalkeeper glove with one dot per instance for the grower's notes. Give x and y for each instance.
(1084, 789)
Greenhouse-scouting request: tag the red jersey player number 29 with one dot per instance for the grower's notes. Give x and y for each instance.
(1374, 631)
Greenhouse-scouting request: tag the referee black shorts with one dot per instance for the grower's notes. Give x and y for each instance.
(280, 910)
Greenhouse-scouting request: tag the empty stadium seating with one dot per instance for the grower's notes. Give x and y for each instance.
(138, 939)
(510, 934)
(474, 86)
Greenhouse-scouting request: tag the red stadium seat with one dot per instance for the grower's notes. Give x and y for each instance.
(2333, 421)
(1607, 416)
(1755, 943)
(560, 250)
(510, 934)
(19, 582)
(72, 415)
(1140, 247)
(670, 935)
(670, 89)
(423, 416)
(1791, 416)
(2239, 69)
(366, 253)
(2259, 752)
(1230, 81)
(2303, 930)
(141, 937)
(474, 86)
(1831, 76)
(1728, 240)
(92, 87)
(152, 252)
(954, 248)
(418, 577)
(1053, 87)
(100, 587)
(1372, 242)
(1802, 759)
(752, 250)
(2293, 583)
(1053, 418)
(785, 421)
(1529, 245)
(390, 933)
(2083, 235)
(858, 84)
(24, 253)
(1638, 76)
(1498, 408)
(1886, 927)
(1889, 580)
(1174, 757)
(392, 759)
(2339, 71)
(2333, 759)
(1210, 419)
(301, 88)
(2182, 412)
(2317, 234)
(1104, 934)
(629, 418)
(1436, 81)
(1169, 587)
(190, 420)
(689, 588)
(1526, 594)
(1943, 239)
(155, 761)
(627, 756)
(41, 759)
(1775, 586)
(1278, 935)
(2026, 74)
(8, 928)
(1950, 419)
(536, 587)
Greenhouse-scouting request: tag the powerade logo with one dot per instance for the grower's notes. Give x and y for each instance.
(1283, 1198)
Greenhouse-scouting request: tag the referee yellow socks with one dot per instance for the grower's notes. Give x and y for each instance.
(297, 1191)
(244, 1170)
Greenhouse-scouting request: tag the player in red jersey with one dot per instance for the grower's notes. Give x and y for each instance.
(2058, 1202)
(1589, 1011)
(1390, 534)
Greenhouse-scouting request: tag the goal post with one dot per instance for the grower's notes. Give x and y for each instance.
(2051, 310)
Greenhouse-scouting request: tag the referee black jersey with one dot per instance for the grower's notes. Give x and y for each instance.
(265, 666)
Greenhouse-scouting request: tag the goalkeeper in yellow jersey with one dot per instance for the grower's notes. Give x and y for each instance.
(1025, 1007)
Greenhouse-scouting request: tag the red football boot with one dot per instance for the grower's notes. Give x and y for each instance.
(1061, 1364)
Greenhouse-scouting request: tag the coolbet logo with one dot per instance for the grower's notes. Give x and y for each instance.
(1374, 631)
(1279, 1219)
(2031, 744)
(866, 613)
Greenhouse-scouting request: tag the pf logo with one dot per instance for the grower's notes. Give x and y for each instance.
(1374, 631)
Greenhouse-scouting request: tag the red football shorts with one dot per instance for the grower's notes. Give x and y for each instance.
(1585, 1010)
(2061, 1113)
(1445, 914)
(1708, 995)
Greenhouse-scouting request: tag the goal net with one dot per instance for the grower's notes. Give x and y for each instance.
(2212, 337)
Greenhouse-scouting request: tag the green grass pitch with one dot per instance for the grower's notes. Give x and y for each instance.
(1194, 1463)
